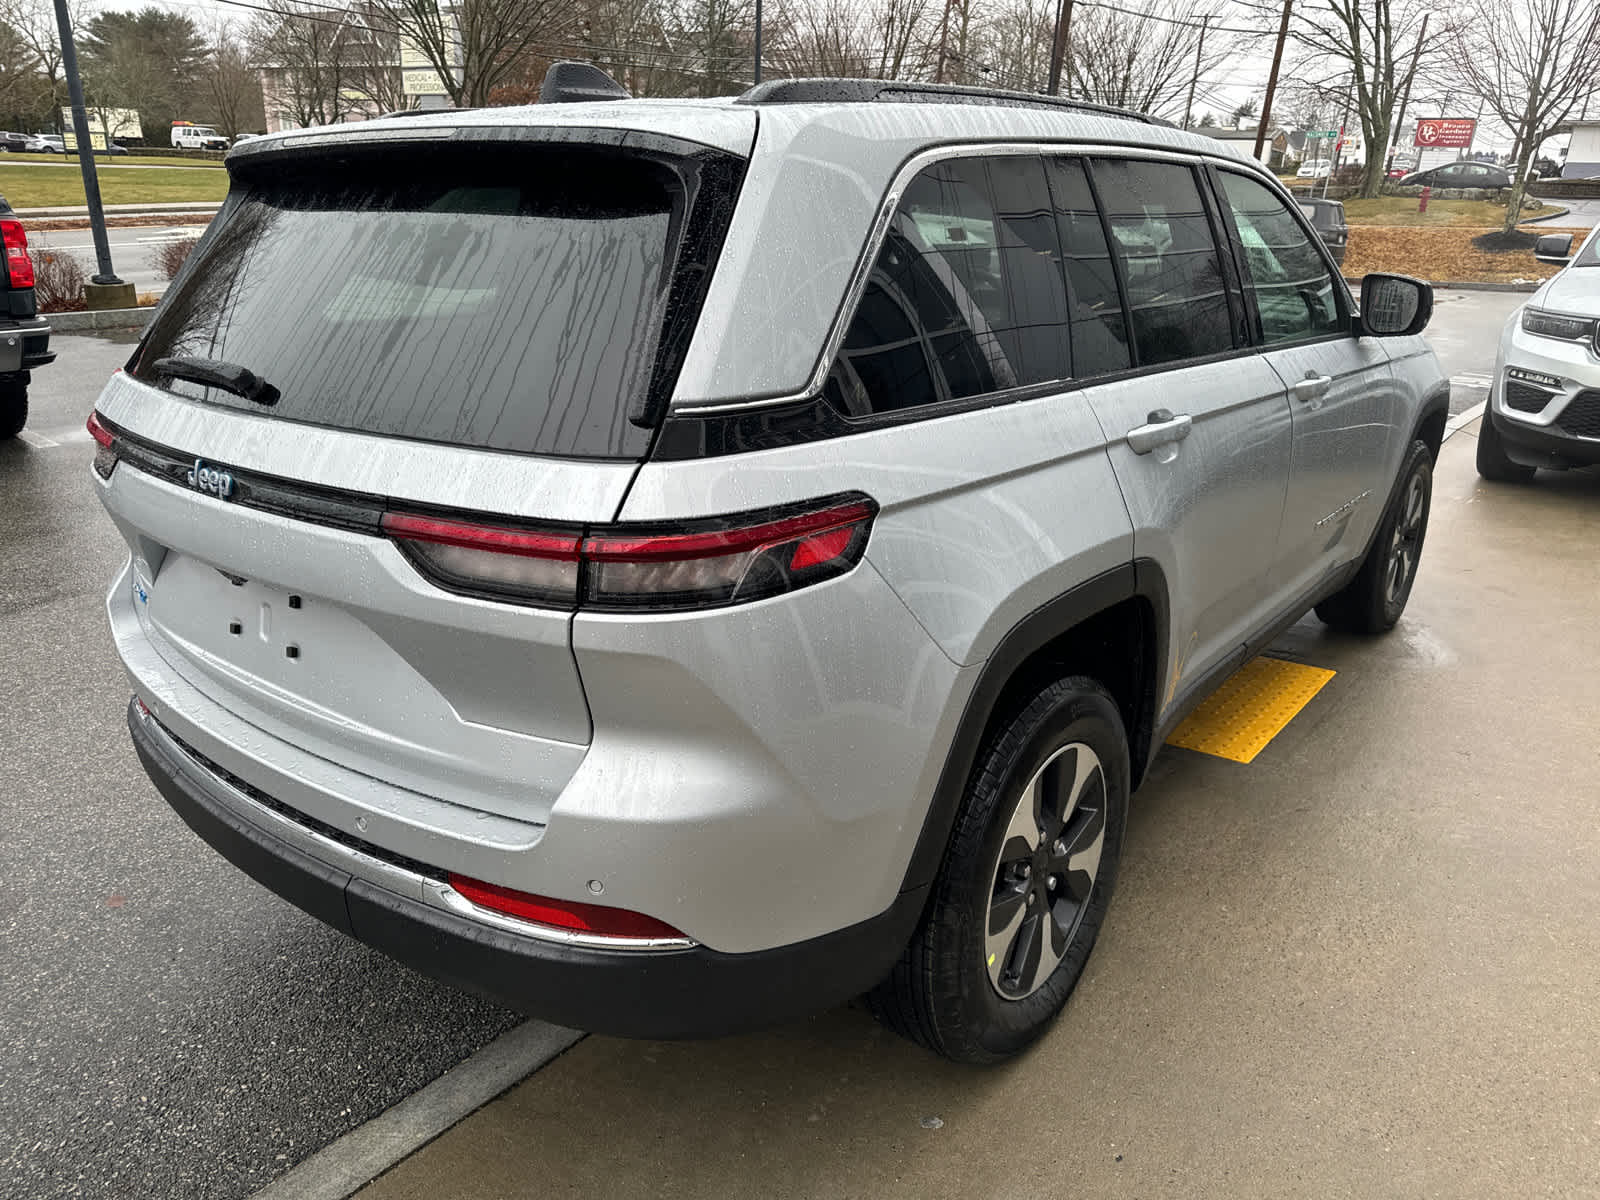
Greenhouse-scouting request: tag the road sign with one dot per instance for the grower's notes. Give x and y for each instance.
(1322, 133)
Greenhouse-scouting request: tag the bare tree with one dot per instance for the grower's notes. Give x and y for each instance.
(881, 39)
(475, 44)
(1533, 63)
(231, 88)
(1139, 57)
(302, 54)
(1365, 47)
(1016, 43)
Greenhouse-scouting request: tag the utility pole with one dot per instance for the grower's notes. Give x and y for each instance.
(944, 42)
(1194, 79)
(1405, 92)
(1272, 79)
(1058, 45)
(758, 41)
(106, 290)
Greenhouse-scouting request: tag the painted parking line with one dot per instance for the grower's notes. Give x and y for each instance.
(1240, 718)
(51, 438)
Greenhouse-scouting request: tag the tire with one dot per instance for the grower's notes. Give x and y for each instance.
(1373, 601)
(973, 998)
(13, 409)
(1492, 461)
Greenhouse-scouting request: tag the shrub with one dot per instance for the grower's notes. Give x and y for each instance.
(57, 280)
(169, 257)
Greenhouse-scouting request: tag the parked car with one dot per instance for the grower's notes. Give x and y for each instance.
(112, 149)
(1327, 218)
(13, 141)
(1544, 398)
(1460, 175)
(1315, 170)
(521, 583)
(45, 143)
(24, 335)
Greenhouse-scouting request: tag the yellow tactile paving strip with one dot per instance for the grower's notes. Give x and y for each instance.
(1241, 717)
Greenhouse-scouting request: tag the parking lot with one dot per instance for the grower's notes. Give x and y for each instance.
(1362, 965)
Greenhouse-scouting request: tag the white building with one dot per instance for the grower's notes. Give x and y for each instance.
(1583, 152)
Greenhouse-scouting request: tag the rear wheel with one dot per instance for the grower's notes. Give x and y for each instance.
(13, 408)
(1025, 883)
(1493, 463)
(1373, 601)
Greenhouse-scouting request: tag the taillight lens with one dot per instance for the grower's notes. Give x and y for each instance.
(597, 919)
(19, 267)
(700, 565)
(519, 564)
(105, 455)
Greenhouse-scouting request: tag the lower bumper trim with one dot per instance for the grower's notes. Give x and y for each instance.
(693, 992)
(1539, 446)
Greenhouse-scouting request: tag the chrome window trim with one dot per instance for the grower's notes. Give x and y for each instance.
(388, 875)
(880, 228)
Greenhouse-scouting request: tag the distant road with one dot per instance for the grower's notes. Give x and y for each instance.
(132, 250)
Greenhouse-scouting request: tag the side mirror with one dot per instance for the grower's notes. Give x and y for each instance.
(1554, 248)
(1395, 305)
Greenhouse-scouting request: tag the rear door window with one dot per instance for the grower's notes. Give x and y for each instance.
(504, 299)
(966, 296)
(1163, 239)
(1099, 331)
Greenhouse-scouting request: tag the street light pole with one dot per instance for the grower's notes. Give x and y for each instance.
(758, 39)
(107, 290)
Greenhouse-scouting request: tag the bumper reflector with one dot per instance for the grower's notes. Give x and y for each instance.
(562, 914)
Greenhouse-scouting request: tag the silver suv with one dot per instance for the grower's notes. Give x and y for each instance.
(673, 566)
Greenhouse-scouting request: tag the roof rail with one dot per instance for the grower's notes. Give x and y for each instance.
(899, 91)
(418, 112)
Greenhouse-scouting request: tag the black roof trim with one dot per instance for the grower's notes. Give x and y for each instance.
(865, 91)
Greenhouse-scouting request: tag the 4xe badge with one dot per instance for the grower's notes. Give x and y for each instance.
(210, 479)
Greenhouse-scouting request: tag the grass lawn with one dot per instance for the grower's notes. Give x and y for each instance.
(1440, 255)
(1402, 210)
(131, 159)
(47, 187)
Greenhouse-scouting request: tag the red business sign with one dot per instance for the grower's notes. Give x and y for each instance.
(1449, 133)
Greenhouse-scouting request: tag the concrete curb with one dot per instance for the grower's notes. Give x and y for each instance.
(1461, 420)
(360, 1156)
(123, 210)
(1555, 216)
(105, 318)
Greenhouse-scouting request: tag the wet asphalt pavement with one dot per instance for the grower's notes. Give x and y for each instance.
(167, 1027)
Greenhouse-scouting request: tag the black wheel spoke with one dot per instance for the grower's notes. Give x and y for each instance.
(1022, 969)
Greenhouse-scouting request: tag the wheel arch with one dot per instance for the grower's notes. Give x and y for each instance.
(1113, 628)
(1431, 421)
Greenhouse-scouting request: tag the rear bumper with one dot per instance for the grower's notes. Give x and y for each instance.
(681, 992)
(25, 344)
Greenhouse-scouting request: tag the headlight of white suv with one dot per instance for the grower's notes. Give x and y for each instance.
(1554, 325)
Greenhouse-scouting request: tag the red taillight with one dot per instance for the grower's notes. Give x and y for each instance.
(734, 561)
(521, 563)
(18, 265)
(105, 457)
(595, 919)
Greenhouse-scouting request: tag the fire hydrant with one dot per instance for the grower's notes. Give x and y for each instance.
(1422, 200)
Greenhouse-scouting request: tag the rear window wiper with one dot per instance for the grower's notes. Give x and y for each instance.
(213, 372)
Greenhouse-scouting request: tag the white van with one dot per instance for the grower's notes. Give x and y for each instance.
(197, 137)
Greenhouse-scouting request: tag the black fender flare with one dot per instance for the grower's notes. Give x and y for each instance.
(1141, 578)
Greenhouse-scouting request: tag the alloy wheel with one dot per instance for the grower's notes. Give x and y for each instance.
(1403, 548)
(1046, 870)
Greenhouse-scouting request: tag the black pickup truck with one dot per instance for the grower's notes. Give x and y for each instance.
(24, 334)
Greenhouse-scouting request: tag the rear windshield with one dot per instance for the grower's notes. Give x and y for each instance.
(510, 304)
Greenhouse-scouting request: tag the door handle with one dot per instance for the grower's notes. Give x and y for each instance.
(1312, 387)
(1162, 429)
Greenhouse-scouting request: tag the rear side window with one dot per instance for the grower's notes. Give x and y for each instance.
(1293, 288)
(1163, 239)
(966, 296)
(1099, 332)
(504, 299)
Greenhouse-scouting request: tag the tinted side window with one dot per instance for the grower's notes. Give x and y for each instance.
(966, 296)
(1293, 288)
(1176, 293)
(1099, 332)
